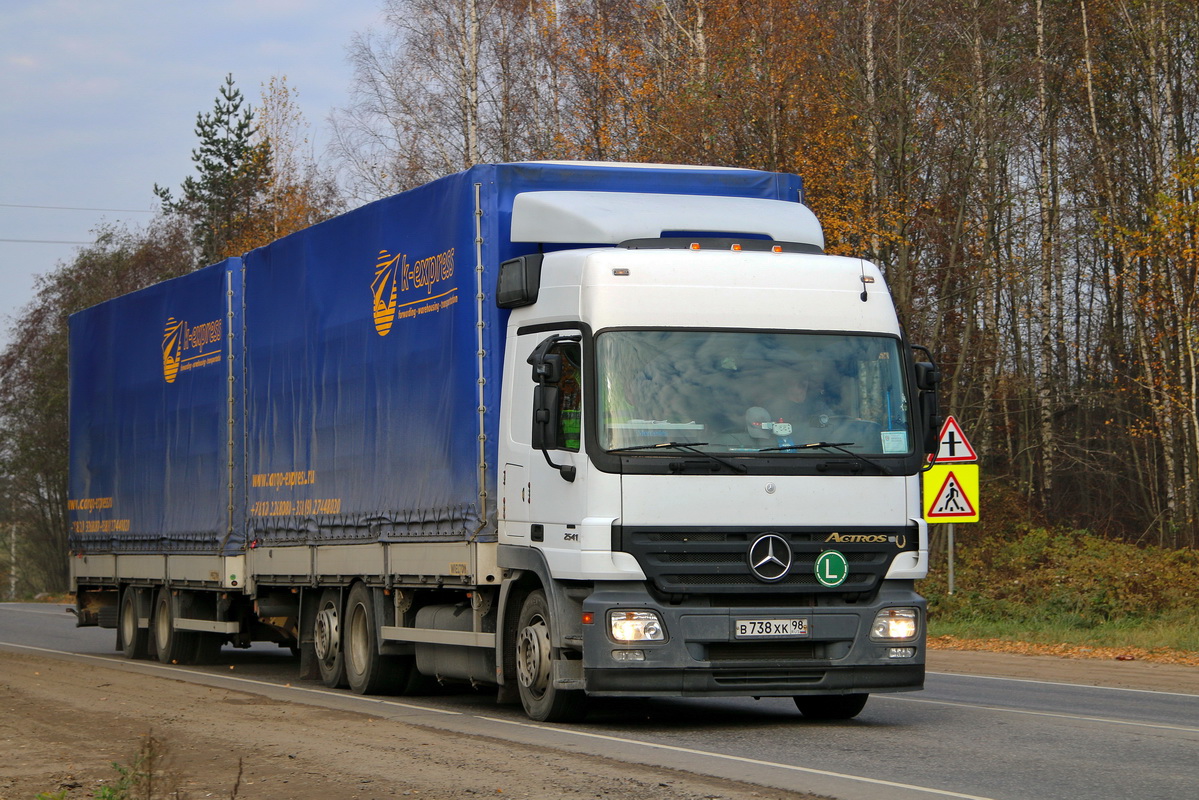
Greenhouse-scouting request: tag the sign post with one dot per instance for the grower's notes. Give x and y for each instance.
(951, 493)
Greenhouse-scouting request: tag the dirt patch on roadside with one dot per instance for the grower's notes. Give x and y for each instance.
(63, 723)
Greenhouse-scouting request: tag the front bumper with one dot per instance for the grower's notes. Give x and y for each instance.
(702, 657)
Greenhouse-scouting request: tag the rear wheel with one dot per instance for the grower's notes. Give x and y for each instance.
(368, 671)
(534, 667)
(833, 706)
(327, 639)
(106, 616)
(135, 641)
(172, 646)
(208, 647)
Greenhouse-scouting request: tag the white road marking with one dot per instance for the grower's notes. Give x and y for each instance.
(174, 670)
(1060, 683)
(1026, 712)
(739, 759)
(58, 612)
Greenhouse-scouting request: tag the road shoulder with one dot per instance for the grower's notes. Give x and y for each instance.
(1144, 675)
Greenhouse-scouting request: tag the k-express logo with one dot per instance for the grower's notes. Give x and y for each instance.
(171, 348)
(187, 347)
(396, 279)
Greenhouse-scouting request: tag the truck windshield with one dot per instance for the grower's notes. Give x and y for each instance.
(747, 392)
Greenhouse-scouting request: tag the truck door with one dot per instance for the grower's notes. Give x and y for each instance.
(557, 481)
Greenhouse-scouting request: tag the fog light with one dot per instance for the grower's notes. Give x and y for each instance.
(628, 655)
(895, 625)
(635, 626)
(901, 652)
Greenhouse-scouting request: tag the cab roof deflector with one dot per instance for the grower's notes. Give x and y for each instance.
(613, 217)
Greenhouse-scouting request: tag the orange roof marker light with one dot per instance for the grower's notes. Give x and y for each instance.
(695, 245)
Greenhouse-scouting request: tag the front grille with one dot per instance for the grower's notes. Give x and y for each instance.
(765, 651)
(854, 583)
(771, 679)
(716, 561)
(700, 558)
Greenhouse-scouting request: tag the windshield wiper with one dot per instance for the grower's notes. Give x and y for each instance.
(691, 447)
(838, 446)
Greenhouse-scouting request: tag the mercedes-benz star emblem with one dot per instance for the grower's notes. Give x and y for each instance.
(770, 558)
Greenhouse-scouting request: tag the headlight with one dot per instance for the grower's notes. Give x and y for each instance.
(895, 625)
(635, 626)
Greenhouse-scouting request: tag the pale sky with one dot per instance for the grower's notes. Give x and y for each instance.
(98, 102)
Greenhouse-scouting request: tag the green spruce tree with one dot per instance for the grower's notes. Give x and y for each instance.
(233, 171)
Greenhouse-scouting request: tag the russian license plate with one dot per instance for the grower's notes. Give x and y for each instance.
(768, 628)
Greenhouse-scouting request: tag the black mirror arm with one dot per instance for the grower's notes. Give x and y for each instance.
(565, 470)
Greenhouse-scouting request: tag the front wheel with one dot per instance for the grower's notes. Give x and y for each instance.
(831, 706)
(534, 667)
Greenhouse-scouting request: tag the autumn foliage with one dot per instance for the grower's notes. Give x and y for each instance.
(1023, 172)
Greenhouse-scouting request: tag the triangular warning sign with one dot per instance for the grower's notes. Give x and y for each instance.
(954, 446)
(951, 501)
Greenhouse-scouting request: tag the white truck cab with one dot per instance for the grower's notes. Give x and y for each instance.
(711, 458)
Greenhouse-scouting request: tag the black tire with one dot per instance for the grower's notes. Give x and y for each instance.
(208, 647)
(534, 666)
(327, 637)
(106, 616)
(832, 706)
(135, 641)
(171, 646)
(368, 671)
(418, 683)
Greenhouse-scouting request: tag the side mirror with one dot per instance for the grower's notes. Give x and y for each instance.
(546, 420)
(930, 412)
(928, 379)
(928, 376)
(547, 402)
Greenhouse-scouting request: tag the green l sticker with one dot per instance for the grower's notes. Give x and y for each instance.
(831, 568)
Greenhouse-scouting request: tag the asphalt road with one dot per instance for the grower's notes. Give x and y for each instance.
(963, 736)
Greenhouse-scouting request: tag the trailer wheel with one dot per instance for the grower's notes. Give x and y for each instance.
(833, 706)
(368, 671)
(327, 639)
(135, 641)
(172, 646)
(208, 647)
(534, 667)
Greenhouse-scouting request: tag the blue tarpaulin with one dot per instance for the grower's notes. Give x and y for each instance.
(326, 387)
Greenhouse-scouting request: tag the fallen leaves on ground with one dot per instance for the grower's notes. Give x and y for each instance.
(1160, 655)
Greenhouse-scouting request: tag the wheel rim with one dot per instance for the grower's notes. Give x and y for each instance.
(326, 633)
(533, 656)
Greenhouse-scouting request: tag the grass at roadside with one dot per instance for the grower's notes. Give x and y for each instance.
(1066, 593)
(1175, 631)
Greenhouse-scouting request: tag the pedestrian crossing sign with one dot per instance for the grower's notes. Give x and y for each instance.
(951, 493)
